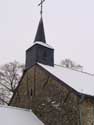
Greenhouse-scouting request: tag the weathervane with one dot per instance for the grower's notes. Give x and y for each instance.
(41, 4)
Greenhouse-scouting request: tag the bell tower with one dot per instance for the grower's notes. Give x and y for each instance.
(40, 51)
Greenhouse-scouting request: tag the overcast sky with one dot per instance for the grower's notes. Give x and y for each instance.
(69, 28)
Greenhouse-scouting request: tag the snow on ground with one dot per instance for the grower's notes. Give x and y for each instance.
(79, 81)
(17, 116)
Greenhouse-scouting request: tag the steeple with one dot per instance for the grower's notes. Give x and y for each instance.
(40, 35)
(40, 52)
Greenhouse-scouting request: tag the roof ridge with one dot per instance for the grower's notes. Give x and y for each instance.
(75, 70)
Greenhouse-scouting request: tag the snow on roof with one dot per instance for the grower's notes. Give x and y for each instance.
(17, 116)
(79, 81)
(43, 44)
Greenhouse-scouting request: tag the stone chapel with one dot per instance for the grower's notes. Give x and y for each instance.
(57, 95)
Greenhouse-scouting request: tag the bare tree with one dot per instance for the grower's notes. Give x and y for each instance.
(71, 64)
(9, 78)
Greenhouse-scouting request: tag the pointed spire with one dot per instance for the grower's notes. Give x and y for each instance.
(40, 35)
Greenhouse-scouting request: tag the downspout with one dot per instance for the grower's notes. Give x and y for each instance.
(80, 116)
(80, 111)
(35, 80)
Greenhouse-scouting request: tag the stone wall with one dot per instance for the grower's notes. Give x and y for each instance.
(87, 112)
(51, 101)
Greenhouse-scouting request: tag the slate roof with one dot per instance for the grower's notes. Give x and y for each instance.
(40, 35)
(81, 82)
(42, 44)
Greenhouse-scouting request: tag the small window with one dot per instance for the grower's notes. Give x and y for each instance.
(31, 92)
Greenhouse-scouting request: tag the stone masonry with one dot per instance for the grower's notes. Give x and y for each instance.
(52, 101)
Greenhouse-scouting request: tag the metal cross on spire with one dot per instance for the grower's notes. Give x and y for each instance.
(41, 4)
